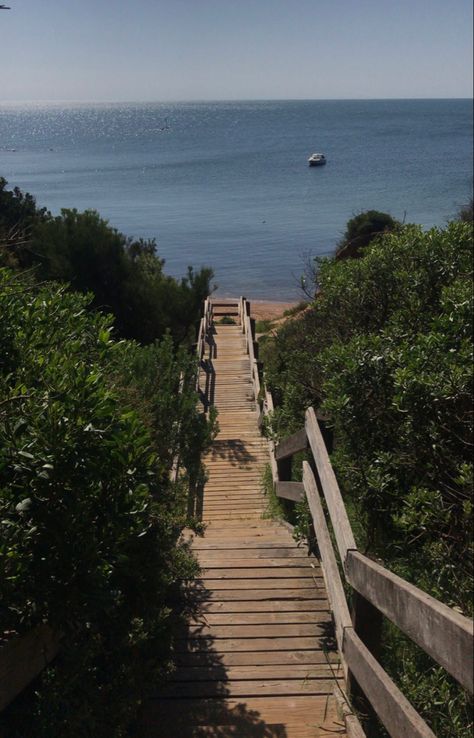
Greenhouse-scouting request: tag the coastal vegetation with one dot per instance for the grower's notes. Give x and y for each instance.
(94, 408)
(125, 276)
(361, 230)
(97, 400)
(385, 352)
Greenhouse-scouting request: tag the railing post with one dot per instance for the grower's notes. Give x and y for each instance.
(367, 624)
(284, 467)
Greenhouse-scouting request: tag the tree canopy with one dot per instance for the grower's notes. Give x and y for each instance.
(361, 230)
(125, 276)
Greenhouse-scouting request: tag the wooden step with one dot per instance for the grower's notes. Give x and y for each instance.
(256, 657)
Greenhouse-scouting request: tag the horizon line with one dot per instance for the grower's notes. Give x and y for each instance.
(45, 101)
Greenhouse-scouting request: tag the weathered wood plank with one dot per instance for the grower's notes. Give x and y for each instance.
(395, 712)
(263, 672)
(260, 583)
(23, 658)
(250, 688)
(225, 554)
(332, 577)
(447, 636)
(251, 630)
(267, 595)
(285, 562)
(308, 658)
(291, 445)
(269, 606)
(253, 718)
(332, 494)
(290, 491)
(291, 643)
(261, 618)
(263, 572)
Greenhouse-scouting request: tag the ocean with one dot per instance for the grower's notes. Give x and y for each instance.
(227, 185)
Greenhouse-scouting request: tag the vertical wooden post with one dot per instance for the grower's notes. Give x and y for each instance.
(367, 622)
(284, 469)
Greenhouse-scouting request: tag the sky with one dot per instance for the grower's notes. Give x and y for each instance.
(167, 50)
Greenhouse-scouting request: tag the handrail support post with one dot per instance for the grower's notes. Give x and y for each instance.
(367, 624)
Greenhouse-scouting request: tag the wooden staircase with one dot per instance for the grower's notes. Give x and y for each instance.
(258, 656)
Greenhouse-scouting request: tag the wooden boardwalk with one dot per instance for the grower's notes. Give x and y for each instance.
(257, 659)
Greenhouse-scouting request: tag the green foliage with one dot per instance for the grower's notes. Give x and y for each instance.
(449, 708)
(296, 309)
(263, 326)
(361, 230)
(386, 352)
(18, 211)
(125, 276)
(226, 320)
(274, 509)
(466, 213)
(89, 520)
(159, 379)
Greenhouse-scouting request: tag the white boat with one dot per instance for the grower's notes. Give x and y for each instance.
(316, 160)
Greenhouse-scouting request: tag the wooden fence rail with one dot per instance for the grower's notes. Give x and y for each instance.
(443, 633)
(248, 329)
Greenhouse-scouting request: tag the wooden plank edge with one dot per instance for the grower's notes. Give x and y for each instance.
(392, 707)
(337, 511)
(443, 633)
(293, 491)
(292, 445)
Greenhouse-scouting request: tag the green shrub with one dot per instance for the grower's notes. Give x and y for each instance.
(298, 308)
(125, 276)
(361, 230)
(89, 520)
(263, 326)
(386, 352)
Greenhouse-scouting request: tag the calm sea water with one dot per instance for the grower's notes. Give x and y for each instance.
(227, 184)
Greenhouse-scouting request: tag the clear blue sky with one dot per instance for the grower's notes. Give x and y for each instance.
(235, 49)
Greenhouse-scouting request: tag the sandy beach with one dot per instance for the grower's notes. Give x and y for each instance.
(264, 309)
(269, 310)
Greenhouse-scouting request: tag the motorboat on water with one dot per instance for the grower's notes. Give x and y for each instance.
(316, 160)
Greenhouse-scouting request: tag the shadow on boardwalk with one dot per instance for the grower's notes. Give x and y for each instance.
(196, 703)
(234, 451)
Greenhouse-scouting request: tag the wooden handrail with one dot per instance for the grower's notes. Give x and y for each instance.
(400, 718)
(248, 333)
(292, 445)
(394, 710)
(204, 328)
(332, 494)
(443, 633)
(176, 460)
(332, 578)
(267, 410)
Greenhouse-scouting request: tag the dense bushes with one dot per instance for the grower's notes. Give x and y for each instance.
(125, 276)
(386, 351)
(89, 518)
(361, 230)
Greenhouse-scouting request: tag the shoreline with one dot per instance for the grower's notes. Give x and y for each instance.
(266, 309)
